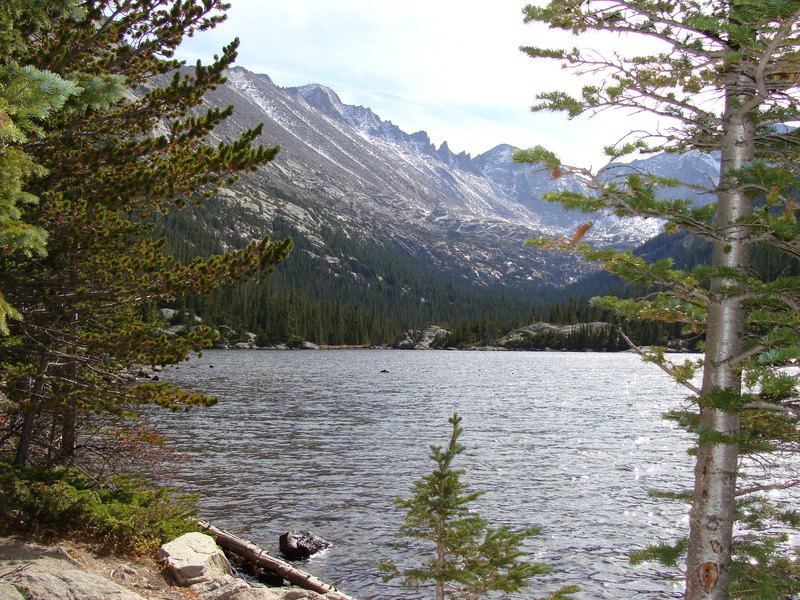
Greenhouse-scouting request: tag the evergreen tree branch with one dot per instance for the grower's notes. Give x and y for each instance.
(767, 488)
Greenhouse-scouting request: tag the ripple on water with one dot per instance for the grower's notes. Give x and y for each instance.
(325, 441)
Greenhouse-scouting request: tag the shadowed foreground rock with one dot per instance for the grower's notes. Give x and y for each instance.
(72, 584)
(69, 571)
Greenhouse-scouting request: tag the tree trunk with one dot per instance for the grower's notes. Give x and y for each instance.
(69, 412)
(31, 414)
(69, 421)
(69, 433)
(260, 558)
(712, 515)
(441, 551)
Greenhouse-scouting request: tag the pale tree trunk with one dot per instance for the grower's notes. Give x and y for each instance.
(712, 515)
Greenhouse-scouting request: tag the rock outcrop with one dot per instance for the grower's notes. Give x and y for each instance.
(231, 588)
(72, 584)
(531, 331)
(414, 339)
(31, 571)
(195, 558)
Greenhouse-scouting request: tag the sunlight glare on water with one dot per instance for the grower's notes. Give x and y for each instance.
(324, 441)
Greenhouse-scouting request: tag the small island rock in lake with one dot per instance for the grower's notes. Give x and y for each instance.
(297, 545)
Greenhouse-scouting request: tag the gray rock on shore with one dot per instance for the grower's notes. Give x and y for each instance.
(194, 558)
(71, 584)
(31, 571)
(530, 331)
(414, 339)
(231, 588)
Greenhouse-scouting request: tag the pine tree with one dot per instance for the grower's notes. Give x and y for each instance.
(109, 160)
(27, 97)
(469, 560)
(725, 78)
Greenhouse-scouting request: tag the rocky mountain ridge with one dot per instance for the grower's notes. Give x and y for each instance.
(343, 170)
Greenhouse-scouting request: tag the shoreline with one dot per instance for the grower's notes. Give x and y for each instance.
(98, 574)
(281, 348)
(140, 575)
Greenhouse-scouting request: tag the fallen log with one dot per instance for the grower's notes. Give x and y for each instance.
(261, 558)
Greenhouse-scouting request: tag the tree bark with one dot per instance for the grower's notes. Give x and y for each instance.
(31, 414)
(69, 433)
(69, 412)
(261, 558)
(712, 514)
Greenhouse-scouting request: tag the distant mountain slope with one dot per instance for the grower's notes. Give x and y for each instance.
(342, 168)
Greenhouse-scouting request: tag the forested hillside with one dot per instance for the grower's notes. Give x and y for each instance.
(351, 291)
(392, 233)
(369, 296)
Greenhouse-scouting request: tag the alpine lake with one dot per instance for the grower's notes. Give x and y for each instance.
(325, 440)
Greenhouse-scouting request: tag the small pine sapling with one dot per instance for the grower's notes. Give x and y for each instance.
(468, 560)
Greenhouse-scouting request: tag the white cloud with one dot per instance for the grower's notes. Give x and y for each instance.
(450, 67)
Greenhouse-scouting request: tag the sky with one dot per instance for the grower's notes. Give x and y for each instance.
(450, 67)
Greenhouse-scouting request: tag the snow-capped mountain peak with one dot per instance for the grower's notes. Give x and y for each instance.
(344, 166)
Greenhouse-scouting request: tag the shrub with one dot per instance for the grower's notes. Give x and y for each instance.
(463, 558)
(129, 515)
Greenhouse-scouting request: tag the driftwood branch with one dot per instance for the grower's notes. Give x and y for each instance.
(259, 557)
(10, 574)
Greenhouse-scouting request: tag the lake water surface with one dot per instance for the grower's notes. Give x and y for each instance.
(324, 441)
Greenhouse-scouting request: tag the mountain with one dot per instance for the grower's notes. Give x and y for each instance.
(342, 167)
(698, 172)
(391, 232)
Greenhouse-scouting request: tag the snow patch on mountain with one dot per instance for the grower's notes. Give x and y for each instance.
(367, 177)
